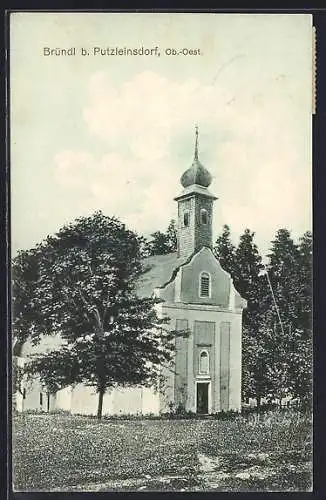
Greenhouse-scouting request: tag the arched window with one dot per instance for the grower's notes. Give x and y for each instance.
(186, 219)
(203, 216)
(205, 285)
(204, 363)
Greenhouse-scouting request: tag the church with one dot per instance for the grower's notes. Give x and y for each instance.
(204, 308)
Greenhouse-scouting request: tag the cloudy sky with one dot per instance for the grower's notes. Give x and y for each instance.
(116, 132)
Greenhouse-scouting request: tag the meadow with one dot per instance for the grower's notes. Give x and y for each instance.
(259, 452)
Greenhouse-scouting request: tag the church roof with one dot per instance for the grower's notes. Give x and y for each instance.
(195, 189)
(158, 270)
(196, 174)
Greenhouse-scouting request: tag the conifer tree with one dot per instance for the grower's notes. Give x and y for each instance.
(252, 286)
(163, 243)
(290, 345)
(224, 251)
(277, 323)
(172, 235)
(244, 263)
(248, 280)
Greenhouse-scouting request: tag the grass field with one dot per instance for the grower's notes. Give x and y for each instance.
(269, 452)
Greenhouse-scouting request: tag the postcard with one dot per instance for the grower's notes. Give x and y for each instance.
(161, 240)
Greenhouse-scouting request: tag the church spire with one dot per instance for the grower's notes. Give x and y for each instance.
(196, 143)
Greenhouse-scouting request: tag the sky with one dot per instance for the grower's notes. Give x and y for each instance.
(115, 133)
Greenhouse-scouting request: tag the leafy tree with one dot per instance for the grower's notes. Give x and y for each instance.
(25, 274)
(83, 287)
(301, 362)
(17, 376)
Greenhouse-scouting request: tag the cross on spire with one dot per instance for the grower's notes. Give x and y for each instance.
(196, 143)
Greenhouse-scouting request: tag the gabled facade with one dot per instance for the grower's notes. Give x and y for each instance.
(204, 308)
(207, 311)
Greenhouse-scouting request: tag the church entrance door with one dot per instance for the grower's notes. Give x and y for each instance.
(202, 397)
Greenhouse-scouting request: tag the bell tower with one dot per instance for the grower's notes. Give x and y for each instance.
(195, 208)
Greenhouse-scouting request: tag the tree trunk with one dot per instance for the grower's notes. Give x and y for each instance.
(100, 404)
(258, 397)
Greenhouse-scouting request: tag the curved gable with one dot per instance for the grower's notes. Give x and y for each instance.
(185, 284)
(220, 282)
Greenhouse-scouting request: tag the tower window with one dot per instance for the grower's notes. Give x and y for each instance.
(41, 398)
(24, 393)
(204, 216)
(204, 363)
(186, 219)
(205, 285)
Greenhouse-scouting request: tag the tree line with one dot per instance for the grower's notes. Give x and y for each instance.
(277, 323)
(81, 283)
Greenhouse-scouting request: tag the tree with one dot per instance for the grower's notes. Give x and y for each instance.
(224, 251)
(17, 377)
(291, 346)
(284, 274)
(276, 356)
(159, 244)
(302, 358)
(25, 274)
(247, 279)
(163, 243)
(83, 287)
(172, 235)
(305, 282)
(244, 263)
(252, 286)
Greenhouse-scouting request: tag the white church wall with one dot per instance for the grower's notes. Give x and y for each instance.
(18, 402)
(127, 400)
(167, 390)
(117, 401)
(17, 396)
(35, 396)
(62, 400)
(235, 363)
(151, 401)
(84, 400)
(216, 403)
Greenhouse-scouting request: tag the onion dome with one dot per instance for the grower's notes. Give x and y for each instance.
(197, 173)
